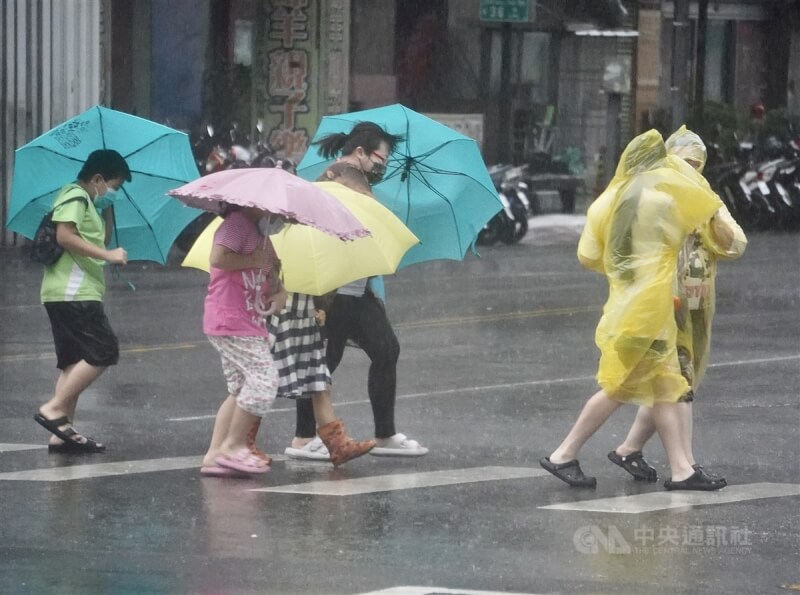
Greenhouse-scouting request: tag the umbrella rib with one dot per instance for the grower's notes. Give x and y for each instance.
(35, 198)
(143, 147)
(418, 161)
(418, 175)
(159, 176)
(56, 189)
(102, 129)
(146, 222)
(433, 150)
(49, 150)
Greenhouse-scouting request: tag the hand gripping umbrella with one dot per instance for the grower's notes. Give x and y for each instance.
(160, 158)
(436, 181)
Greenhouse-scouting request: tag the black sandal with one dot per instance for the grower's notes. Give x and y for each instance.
(72, 447)
(698, 481)
(711, 474)
(569, 472)
(635, 464)
(68, 435)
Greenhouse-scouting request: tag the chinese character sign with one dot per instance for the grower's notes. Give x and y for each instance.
(291, 75)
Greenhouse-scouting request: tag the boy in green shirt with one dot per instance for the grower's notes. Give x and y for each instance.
(72, 293)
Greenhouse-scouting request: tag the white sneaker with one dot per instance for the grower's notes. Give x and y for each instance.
(313, 451)
(398, 445)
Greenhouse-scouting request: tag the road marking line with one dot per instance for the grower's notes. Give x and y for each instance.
(653, 501)
(10, 447)
(437, 591)
(73, 472)
(495, 317)
(433, 393)
(404, 481)
(491, 387)
(764, 360)
(400, 326)
(135, 349)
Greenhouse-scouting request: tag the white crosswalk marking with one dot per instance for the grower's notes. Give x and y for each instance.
(89, 471)
(636, 504)
(8, 447)
(653, 501)
(405, 481)
(72, 472)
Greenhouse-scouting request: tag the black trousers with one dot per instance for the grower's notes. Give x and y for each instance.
(363, 320)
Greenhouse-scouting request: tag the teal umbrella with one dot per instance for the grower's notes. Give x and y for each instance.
(436, 181)
(160, 159)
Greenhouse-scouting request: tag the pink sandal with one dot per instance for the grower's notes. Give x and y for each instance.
(216, 471)
(244, 461)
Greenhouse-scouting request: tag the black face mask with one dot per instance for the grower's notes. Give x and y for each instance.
(376, 174)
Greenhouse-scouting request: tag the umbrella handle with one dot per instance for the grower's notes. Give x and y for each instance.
(117, 274)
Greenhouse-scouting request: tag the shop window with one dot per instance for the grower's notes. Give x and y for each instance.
(720, 61)
(534, 66)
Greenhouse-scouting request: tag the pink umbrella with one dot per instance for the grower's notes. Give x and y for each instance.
(276, 191)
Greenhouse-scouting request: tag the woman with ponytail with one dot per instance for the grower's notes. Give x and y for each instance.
(356, 311)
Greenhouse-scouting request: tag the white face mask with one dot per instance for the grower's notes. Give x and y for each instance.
(270, 225)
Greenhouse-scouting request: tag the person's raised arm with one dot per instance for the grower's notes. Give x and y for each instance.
(723, 236)
(68, 237)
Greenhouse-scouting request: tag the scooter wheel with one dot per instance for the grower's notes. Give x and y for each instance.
(516, 228)
(490, 234)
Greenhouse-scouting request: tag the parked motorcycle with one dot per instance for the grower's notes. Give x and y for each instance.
(510, 225)
(761, 186)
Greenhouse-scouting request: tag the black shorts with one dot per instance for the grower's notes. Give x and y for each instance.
(81, 331)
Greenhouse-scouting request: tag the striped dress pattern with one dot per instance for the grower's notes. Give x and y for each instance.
(298, 349)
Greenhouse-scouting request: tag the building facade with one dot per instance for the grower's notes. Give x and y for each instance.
(573, 76)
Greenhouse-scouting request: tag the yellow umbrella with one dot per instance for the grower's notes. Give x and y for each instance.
(316, 263)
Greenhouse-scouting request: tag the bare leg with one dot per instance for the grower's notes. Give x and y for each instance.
(687, 427)
(70, 413)
(323, 407)
(70, 384)
(323, 413)
(593, 415)
(221, 425)
(669, 422)
(298, 442)
(236, 438)
(251, 435)
(641, 431)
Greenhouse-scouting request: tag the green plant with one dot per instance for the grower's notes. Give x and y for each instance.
(781, 124)
(721, 125)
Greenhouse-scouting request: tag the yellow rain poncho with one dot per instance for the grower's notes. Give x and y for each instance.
(633, 234)
(697, 268)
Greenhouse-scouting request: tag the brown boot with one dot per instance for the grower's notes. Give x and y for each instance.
(342, 447)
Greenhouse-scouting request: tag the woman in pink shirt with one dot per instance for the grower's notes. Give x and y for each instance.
(243, 290)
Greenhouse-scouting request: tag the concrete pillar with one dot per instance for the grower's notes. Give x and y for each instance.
(680, 62)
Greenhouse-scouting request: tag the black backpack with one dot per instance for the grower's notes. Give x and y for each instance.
(46, 250)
